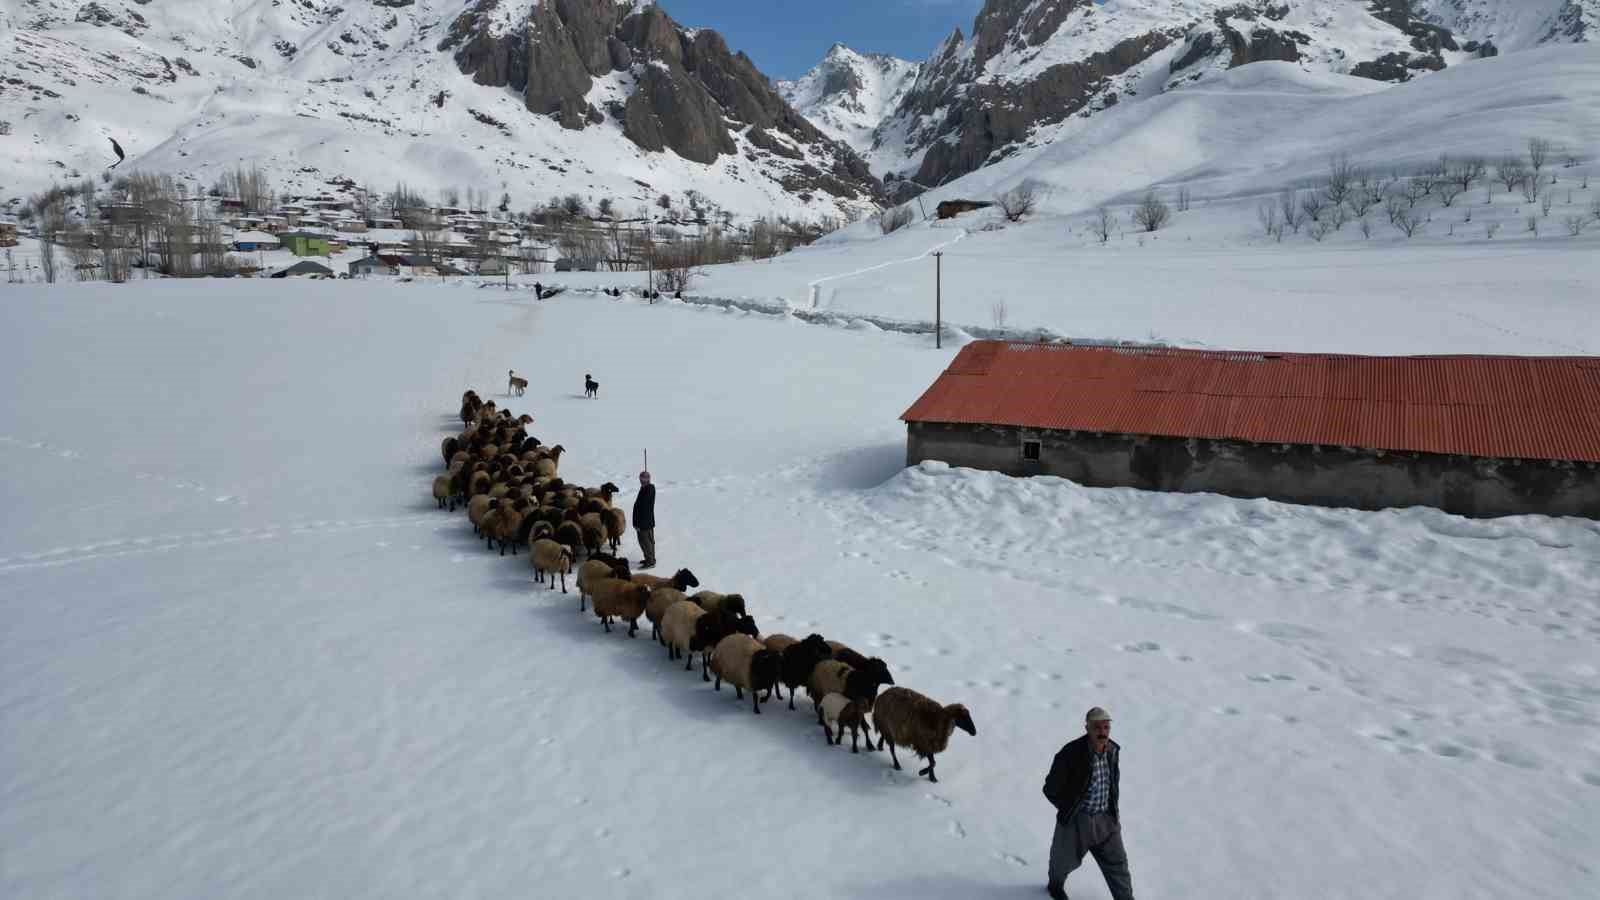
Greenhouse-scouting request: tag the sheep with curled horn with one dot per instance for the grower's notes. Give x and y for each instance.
(909, 719)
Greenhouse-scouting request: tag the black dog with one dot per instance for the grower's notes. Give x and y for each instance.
(591, 388)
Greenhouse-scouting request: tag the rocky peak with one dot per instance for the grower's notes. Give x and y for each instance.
(684, 90)
(848, 93)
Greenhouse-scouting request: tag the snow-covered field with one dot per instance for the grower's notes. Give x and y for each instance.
(242, 655)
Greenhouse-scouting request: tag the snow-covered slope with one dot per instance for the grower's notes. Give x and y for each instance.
(316, 90)
(1031, 64)
(243, 655)
(848, 94)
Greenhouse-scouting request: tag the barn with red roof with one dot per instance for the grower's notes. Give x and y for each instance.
(1473, 435)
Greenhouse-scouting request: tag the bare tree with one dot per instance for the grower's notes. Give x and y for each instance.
(893, 219)
(1267, 215)
(1575, 224)
(1448, 191)
(1151, 213)
(47, 257)
(1294, 214)
(1539, 151)
(428, 243)
(1531, 187)
(1366, 226)
(1343, 176)
(1546, 201)
(1416, 188)
(1104, 223)
(52, 213)
(1313, 203)
(675, 267)
(997, 313)
(1465, 171)
(1366, 193)
(1319, 230)
(1018, 202)
(607, 207)
(1184, 199)
(1510, 172)
(1490, 229)
(1594, 210)
(1404, 218)
(573, 205)
(1337, 215)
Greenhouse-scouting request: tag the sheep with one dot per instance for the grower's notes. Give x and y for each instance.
(800, 659)
(713, 601)
(549, 461)
(747, 665)
(831, 676)
(713, 627)
(678, 626)
(856, 661)
(449, 448)
(594, 532)
(595, 569)
(478, 509)
(905, 717)
(570, 534)
(843, 713)
(508, 524)
(442, 492)
(616, 522)
(778, 643)
(661, 600)
(683, 579)
(621, 599)
(550, 558)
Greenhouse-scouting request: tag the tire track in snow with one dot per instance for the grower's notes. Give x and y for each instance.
(811, 286)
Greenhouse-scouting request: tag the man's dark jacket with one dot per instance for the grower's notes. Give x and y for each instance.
(644, 507)
(1068, 782)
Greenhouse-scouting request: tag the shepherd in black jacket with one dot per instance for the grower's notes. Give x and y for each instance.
(644, 520)
(1082, 785)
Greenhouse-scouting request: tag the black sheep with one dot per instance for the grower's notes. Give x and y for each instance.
(799, 659)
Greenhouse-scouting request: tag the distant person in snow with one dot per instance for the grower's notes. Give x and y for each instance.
(538, 291)
(1082, 785)
(644, 520)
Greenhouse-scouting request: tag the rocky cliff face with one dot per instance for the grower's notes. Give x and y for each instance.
(1030, 64)
(677, 89)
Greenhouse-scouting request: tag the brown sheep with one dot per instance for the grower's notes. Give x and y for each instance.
(595, 569)
(616, 522)
(620, 599)
(683, 579)
(678, 628)
(442, 492)
(747, 665)
(834, 677)
(778, 643)
(661, 600)
(713, 602)
(550, 558)
(905, 717)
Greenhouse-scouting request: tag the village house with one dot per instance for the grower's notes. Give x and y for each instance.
(306, 243)
(247, 241)
(8, 233)
(305, 268)
(372, 265)
(1471, 435)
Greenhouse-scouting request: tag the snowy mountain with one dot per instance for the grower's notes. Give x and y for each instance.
(848, 94)
(1516, 25)
(1031, 64)
(604, 98)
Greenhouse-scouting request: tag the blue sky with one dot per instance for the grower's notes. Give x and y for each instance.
(787, 37)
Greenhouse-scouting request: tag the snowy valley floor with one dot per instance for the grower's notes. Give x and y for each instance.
(242, 655)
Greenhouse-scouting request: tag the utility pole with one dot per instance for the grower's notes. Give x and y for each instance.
(938, 328)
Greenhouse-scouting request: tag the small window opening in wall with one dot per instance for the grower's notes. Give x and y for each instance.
(1030, 449)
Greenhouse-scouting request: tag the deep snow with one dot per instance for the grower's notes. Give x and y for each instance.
(242, 654)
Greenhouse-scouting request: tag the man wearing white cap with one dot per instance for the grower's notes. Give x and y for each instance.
(1082, 785)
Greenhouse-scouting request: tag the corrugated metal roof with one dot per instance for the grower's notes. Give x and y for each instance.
(1524, 407)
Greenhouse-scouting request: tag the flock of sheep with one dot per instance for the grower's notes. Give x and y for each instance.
(514, 497)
